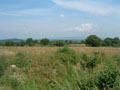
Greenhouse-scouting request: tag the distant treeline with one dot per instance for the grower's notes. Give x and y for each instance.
(91, 40)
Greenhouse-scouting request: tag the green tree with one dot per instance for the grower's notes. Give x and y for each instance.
(116, 42)
(108, 41)
(35, 41)
(59, 43)
(9, 43)
(93, 40)
(45, 41)
(30, 42)
(22, 43)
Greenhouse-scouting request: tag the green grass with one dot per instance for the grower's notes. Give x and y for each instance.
(64, 69)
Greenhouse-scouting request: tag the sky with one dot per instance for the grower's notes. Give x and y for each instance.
(59, 19)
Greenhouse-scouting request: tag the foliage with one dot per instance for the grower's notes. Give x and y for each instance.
(90, 62)
(9, 43)
(45, 41)
(107, 77)
(22, 43)
(67, 55)
(93, 40)
(115, 42)
(30, 42)
(59, 43)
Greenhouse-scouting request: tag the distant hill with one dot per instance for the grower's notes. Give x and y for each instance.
(14, 40)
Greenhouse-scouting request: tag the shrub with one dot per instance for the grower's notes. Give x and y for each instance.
(107, 77)
(67, 55)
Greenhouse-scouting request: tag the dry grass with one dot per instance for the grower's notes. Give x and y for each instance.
(39, 50)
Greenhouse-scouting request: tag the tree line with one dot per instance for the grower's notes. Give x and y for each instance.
(96, 41)
(31, 42)
(92, 40)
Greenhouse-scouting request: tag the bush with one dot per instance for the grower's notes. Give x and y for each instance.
(59, 43)
(67, 55)
(107, 77)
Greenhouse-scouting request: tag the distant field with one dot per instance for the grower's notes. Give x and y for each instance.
(39, 50)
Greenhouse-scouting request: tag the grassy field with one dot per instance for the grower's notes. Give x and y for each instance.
(39, 50)
(55, 68)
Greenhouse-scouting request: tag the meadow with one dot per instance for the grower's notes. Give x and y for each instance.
(71, 67)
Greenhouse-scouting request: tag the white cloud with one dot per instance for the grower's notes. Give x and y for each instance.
(62, 15)
(91, 6)
(84, 27)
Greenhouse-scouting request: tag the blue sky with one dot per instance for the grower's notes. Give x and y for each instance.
(59, 18)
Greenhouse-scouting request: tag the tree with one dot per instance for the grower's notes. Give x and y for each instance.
(108, 41)
(45, 41)
(59, 43)
(93, 40)
(30, 42)
(21, 43)
(116, 41)
(35, 41)
(9, 43)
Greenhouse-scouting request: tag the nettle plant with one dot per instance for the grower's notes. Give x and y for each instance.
(90, 62)
(107, 78)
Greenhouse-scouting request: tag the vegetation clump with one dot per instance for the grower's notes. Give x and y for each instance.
(68, 55)
(107, 77)
(59, 43)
